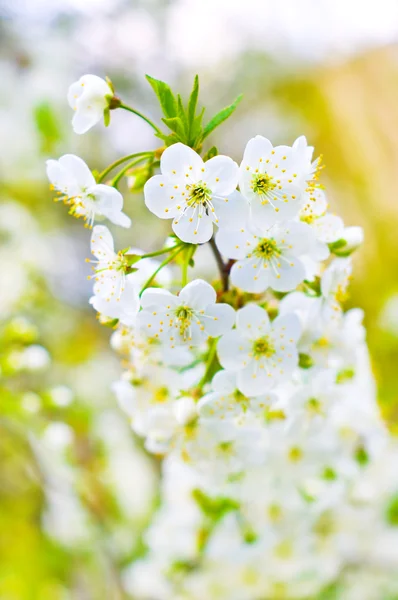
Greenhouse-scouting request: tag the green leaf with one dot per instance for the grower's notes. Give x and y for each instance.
(176, 125)
(165, 96)
(211, 153)
(193, 100)
(195, 135)
(221, 117)
(47, 125)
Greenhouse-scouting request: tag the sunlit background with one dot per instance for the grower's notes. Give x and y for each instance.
(76, 488)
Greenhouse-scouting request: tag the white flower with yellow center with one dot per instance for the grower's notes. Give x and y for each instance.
(326, 227)
(112, 270)
(267, 259)
(189, 318)
(89, 97)
(334, 286)
(262, 354)
(226, 402)
(196, 194)
(273, 179)
(76, 186)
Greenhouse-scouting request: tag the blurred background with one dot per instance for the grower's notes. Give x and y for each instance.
(76, 488)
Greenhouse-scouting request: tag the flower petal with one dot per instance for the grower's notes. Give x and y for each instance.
(83, 120)
(198, 294)
(329, 228)
(102, 243)
(253, 381)
(181, 162)
(162, 197)
(252, 321)
(77, 169)
(250, 275)
(193, 227)
(256, 148)
(120, 219)
(156, 297)
(126, 396)
(231, 212)
(290, 273)
(233, 350)
(288, 326)
(219, 318)
(224, 381)
(233, 244)
(221, 175)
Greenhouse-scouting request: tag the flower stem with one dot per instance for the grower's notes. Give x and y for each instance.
(212, 355)
(222, 267)
(123, 171)
(190, 252)
(162, 251)
(136, 112)
(118, 162)
(166, 261)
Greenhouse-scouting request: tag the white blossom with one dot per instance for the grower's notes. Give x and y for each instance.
(196, 194)
(267, 258)
(89, 97)
(189, 318)
(327, 227)
(76, 186)
(225, 401)
(274, 179)
(262, 353)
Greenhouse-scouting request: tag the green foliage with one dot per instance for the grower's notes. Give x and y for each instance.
(47, 125)
(185, 122)
(213, 151)
(361, 456)
(392, 511)
(345, 375)
(220, 117)
(214, 508)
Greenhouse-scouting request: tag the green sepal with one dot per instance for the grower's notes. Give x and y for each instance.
(305, 361)
(220, 117)
(132, 259)
(313, 288)
(109, 82)
(339, 248)
(107, 116)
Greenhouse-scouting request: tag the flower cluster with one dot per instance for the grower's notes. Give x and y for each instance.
(256, 388)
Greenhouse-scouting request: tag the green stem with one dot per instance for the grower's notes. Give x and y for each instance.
(123, 171)
(209, 363)
(166, 261)
(162, 251)
(136, 112)
(118, 162)
(190, 252)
